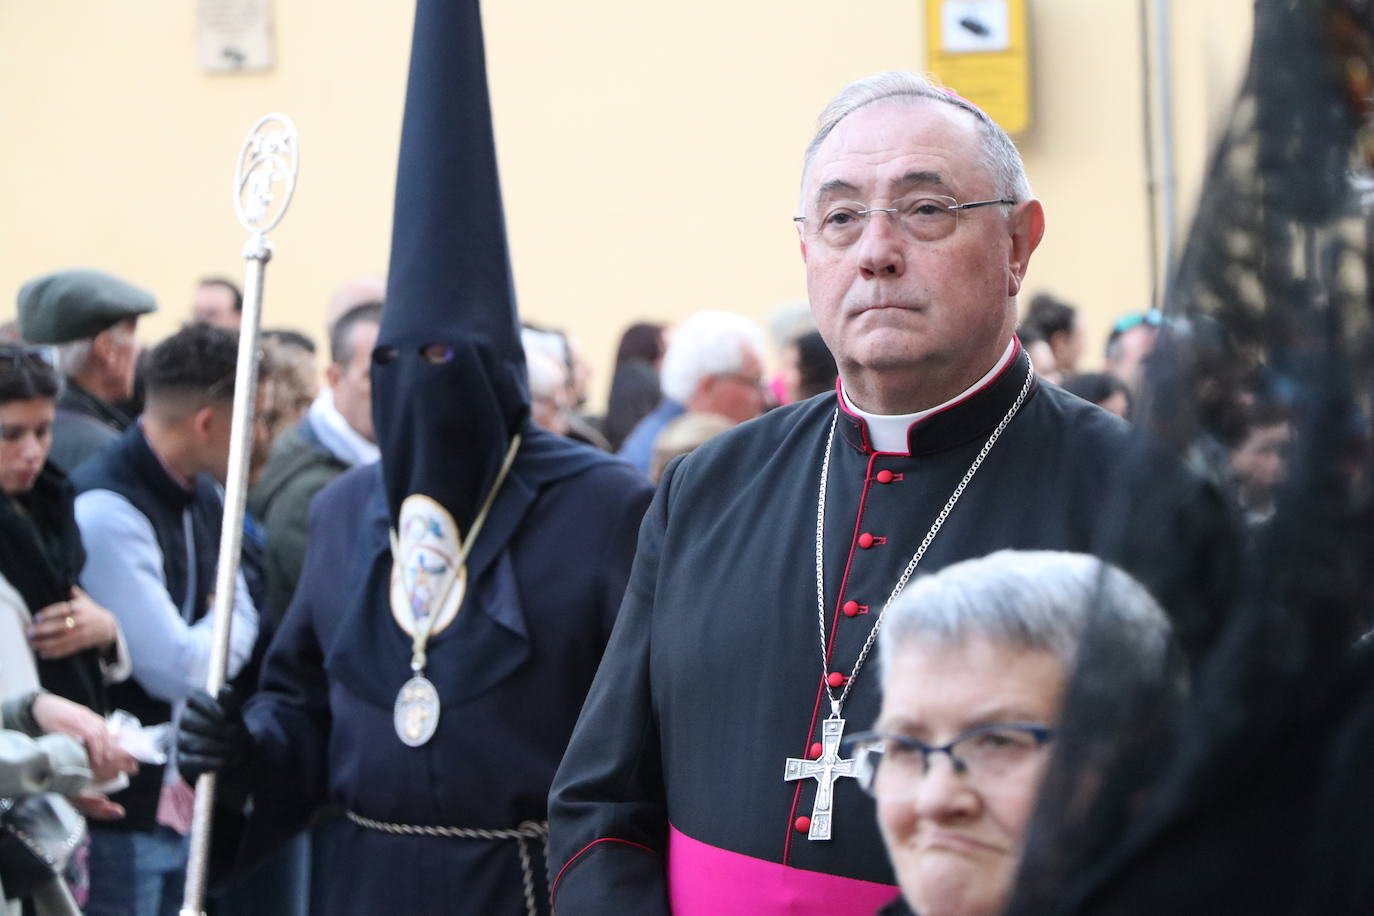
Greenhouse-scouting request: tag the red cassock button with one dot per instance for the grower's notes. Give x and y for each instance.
(850, 608)
(816, 751)
(865, 540)
(884, 477)
(836, 679)
(803, 824)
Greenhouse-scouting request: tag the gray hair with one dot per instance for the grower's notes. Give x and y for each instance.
(72, 355)
(1029, 600)
(1000, 156)
(708, 343)
(544, 363)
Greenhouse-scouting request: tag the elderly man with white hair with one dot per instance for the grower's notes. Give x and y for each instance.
(714, 364)
(974, 662)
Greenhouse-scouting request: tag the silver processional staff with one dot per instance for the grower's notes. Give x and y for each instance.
(264, 181)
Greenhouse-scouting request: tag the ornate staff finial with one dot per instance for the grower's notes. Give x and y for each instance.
(266, 175)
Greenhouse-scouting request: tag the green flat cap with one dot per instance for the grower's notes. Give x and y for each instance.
(77, 304)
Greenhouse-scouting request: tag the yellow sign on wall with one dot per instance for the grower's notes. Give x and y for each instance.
(979, 49)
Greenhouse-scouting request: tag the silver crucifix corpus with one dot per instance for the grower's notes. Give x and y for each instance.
(825, 770)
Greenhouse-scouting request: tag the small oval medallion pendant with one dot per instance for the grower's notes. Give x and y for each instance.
(416, 715)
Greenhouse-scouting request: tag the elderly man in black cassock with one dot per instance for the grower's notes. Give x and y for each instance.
(456, 598)
(705, 775)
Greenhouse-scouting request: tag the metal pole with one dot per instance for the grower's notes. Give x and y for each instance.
(1164, 75)
(270, 158)
(1147, 117)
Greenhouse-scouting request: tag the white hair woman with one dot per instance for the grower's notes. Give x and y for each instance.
(975, 660)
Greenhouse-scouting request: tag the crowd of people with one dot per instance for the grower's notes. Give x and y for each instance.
(112, 465)
(666, 790)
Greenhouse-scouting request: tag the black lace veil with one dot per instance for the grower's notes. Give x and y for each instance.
(1239, 778)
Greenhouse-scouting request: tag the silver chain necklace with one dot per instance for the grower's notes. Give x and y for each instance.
(829, 766)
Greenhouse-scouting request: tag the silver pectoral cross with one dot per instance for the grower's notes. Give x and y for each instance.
(825, 770)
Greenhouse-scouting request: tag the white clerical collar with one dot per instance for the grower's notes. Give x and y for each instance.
(888, 432)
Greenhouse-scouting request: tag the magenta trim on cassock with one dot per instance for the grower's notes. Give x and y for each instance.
(709, 881)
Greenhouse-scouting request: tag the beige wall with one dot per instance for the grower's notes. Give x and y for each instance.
(650, 152)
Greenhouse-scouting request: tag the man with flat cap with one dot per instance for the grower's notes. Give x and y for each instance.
(90, 316)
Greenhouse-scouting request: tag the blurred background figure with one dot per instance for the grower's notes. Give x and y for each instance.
(682, 435)
(334, 434)
(1056, 323)
(1041, 356)
(579, 371)
(1130, 342)
(351, 294)
(714, 364)
(807, 368)
(1259, 459)
(293, 379)
(550, 385)
(91, 317)
(563, 383)
(265, 430)
(785, 325)
(218, 302)
(975, 661)
(1105, 390)
(634, 385)
(1215, 379)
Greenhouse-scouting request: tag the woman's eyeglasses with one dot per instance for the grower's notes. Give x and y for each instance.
(890, 765)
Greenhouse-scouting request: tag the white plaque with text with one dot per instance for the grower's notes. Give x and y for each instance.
(234, 34)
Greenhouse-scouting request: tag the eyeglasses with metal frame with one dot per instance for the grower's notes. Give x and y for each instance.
(888, 763)
(922, 218)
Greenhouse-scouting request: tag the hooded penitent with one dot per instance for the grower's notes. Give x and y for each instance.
(449, 394)
(448, 367)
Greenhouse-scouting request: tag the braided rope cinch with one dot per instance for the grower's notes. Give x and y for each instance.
(529, 830)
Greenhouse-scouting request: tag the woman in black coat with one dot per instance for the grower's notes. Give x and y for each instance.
(76, 642)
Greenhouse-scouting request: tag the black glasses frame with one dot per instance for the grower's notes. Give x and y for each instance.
(1042, 734)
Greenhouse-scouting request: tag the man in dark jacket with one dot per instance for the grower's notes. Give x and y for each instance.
(335, 435)
(150, 515)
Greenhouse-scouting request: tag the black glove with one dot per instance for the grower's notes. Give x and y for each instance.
(212, 735)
